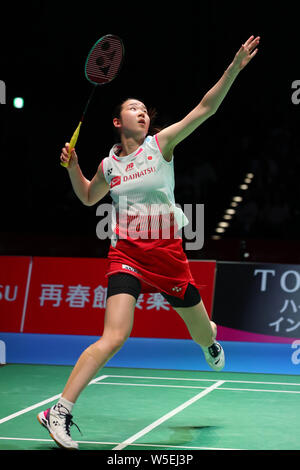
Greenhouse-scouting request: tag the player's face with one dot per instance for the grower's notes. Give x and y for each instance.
(134, 118)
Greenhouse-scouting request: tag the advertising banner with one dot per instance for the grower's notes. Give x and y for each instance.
(257, 302)
(14, 275)
(68, 296)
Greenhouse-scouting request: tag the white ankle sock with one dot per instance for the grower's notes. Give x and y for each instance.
(66, 404)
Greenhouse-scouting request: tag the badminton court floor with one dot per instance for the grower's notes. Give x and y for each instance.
(148, 409)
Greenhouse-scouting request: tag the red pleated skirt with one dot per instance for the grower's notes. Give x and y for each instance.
(160, 264)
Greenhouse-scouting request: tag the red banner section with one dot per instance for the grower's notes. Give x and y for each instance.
(14, 285)
(68, 296)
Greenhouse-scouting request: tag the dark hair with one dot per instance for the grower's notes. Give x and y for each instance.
(152, 113)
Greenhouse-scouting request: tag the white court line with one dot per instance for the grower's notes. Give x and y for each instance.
(41, 403)
(26, 295)
(29, 408)
(201, 380)
(115, 443)
(197, 387)
(257, 390)
(161, 378)
(150, 385)
(167, 416)
(97, 379)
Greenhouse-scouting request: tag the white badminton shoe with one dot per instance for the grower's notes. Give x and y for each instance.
(214, 356)
(57, 420)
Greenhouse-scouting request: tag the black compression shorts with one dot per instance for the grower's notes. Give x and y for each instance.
(123, 283)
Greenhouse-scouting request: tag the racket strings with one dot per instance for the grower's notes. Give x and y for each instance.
(105, 60)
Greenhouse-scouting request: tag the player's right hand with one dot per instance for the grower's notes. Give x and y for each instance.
(65, 158)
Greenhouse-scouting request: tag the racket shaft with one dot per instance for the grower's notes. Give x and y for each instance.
(72, 144)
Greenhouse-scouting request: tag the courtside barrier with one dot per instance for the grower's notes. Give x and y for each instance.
(52, 308)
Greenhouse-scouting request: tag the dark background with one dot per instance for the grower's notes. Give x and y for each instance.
(173, 54)
(265, 303)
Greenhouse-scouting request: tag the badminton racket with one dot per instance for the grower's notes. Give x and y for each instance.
(102, 65)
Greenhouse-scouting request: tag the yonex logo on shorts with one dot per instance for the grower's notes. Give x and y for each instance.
(177, 289)
(125, 266)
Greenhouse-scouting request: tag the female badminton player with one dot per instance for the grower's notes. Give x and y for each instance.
(140, 172)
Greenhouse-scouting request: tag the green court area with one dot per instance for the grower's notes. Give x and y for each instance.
(150, 409)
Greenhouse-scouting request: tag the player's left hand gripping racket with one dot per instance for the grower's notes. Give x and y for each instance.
(102, 65)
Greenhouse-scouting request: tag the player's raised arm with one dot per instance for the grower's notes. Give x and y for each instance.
(169, 137)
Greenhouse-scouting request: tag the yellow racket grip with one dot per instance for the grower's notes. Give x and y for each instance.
(72, 144)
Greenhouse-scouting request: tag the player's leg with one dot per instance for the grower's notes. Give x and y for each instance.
(118, 323)
(202, 330)
(117, 328)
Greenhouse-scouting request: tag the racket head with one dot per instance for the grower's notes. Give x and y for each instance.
(104, 60)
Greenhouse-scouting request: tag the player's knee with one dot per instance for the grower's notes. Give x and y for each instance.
(106, 347)
(117, 340)
(114, 340)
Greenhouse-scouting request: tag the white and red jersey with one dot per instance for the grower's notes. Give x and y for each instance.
(142, 190)
(145, 220)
